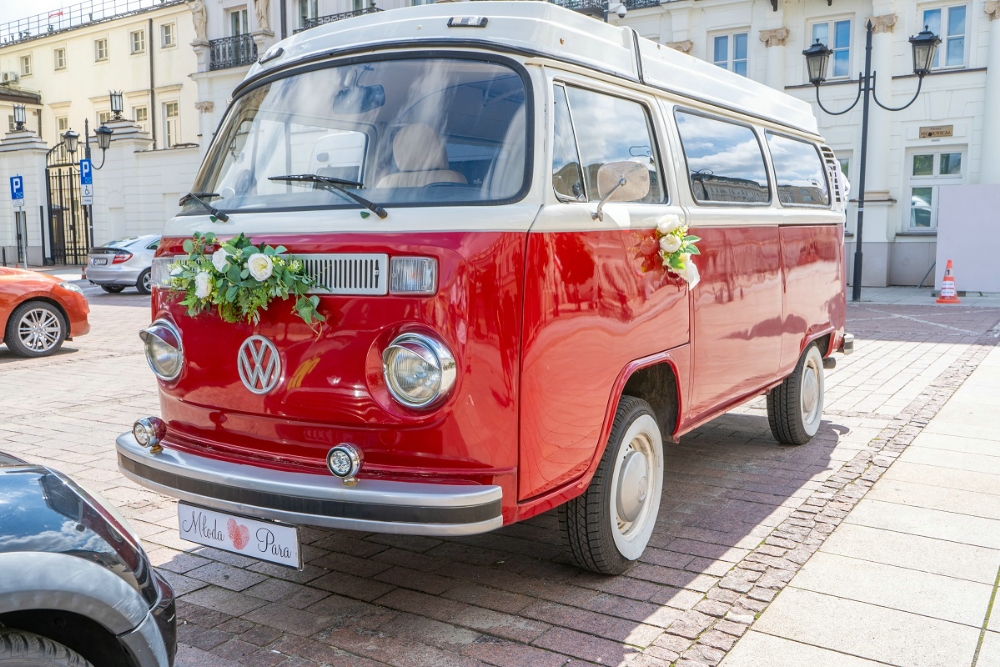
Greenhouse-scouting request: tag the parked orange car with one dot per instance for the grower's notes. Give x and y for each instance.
(38, 312)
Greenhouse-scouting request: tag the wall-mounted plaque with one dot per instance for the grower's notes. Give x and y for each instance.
(935, 131)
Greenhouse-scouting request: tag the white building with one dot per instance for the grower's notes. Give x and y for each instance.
(949, 136)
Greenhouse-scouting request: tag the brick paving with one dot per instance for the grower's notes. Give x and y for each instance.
(739, 516)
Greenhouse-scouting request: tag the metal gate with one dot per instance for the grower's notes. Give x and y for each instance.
(69, 222)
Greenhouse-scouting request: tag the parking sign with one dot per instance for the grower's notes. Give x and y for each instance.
(17, 191)
(86, 172)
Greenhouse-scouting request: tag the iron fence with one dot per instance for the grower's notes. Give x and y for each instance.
(74, 16)
(330, 18)
(232, 52)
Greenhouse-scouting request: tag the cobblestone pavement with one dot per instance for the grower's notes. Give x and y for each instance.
(739, 516)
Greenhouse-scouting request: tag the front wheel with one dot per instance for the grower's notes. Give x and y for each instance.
(35, 329)
(26, 649)
(795, 407)
(609, 526)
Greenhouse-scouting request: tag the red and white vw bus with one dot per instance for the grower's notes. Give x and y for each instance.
(478, 197)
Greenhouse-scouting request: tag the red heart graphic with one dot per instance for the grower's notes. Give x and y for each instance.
(239, 534)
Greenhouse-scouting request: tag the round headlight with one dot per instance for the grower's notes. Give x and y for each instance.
(419, 370)
(344, 460)
(148, 431)
(164, 351)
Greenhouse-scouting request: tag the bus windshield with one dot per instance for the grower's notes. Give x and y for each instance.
(443, 131)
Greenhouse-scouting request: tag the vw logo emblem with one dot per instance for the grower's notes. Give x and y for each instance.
(259, 364)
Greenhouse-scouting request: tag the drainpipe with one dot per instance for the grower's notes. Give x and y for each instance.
(152, 86)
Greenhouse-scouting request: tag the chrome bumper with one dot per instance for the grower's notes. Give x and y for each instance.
(847, 344)
(314, 500)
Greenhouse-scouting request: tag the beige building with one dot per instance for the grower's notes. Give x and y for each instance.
(70, 59)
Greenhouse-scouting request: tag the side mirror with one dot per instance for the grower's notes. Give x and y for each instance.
(620, 181)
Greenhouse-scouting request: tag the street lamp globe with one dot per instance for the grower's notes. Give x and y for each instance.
(20, 116)
(817, 57)
(116, 104)
(103, 137)
(71, 138)
(924, 47)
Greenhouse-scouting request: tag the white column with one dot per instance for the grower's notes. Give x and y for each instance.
(989, 167)
(23, 154)
(774, 41)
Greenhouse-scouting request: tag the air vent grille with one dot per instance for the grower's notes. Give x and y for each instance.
(348, 273)
(835, 176)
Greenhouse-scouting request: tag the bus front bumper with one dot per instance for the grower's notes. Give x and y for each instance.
(371, 505)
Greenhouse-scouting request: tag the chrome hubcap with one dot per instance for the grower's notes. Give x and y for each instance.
(39, 330)
(633, 485)
(145, 281)
(810, 391)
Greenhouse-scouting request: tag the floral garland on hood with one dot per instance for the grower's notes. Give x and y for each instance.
(675, 248)
(240, 279)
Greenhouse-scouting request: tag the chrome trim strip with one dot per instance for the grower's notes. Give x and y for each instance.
(372, 494)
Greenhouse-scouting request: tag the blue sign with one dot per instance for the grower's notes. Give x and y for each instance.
(17, 188)
(86, 172)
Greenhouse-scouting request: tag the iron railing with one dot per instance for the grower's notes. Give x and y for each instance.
(641, 4)
(74, 16)
(589, 7)
(330, 18)
(233, 51)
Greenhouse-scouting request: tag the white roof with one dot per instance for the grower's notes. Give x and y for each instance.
(546, 29)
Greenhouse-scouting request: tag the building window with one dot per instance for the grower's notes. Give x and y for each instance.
(59, 56)
(138, 41)
(930, 170)
(141, 117)
(26, 65)
(949, 24)
(168, 37)
(103, 117)
(10, 123)
(415, 3)
(837, 36)
(308, 9)
(730, 52)
(238, 22)
(62, 124)
(100, 49)
(171, 125)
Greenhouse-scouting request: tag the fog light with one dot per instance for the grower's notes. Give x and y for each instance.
(148, 432)
(345, 461)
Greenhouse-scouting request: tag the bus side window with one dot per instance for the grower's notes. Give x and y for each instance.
(724, 160)
(799, 172)
(613, 129)
(567, 180)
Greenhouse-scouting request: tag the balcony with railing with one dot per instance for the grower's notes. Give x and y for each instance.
(74, 16)
(596, 8)
(330, 18)
(235, 51)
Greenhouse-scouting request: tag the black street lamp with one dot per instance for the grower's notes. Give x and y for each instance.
(72, 139)
(817, 56)
(20, 117)
(116, 104)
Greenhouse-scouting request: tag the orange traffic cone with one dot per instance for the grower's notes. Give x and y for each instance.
(948, 294)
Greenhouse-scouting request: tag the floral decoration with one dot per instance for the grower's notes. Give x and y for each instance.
(240, 279)
(675, 246)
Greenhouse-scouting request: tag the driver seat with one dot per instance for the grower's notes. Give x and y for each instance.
(421, 158)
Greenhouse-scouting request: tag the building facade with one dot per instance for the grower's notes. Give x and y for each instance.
(949, 136)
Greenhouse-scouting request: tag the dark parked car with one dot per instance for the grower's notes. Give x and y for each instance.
(76, 588)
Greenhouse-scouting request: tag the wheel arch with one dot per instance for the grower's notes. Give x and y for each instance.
(75, 631)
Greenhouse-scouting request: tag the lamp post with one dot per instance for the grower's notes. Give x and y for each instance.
(20, 117)
(924, 46)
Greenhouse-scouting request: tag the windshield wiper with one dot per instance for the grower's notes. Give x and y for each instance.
(335, 184)
(194, 196)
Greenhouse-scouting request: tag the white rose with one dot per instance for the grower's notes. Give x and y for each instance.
(668, 224)
(260, 266)
(176, 271)
(220, 258)
(202, 285)
(690, 273)
(670, 244)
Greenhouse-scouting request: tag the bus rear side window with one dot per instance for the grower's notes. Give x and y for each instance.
(798, 170)
(724, 160)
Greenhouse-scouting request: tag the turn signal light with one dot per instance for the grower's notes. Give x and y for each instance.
(413, 275)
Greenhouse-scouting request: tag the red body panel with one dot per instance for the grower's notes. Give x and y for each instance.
(18, 286)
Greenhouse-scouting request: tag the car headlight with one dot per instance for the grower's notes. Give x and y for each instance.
(71, 287)
(419, 370)
(164, 351)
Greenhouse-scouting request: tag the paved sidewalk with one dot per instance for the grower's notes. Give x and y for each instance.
(910, 576)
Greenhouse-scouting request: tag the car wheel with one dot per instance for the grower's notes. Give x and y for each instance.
(795, 407)
(609, 526)
(143, 284)
(35, 329)
(26, 649)
(112, 289)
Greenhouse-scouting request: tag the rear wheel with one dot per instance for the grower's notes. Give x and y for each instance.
(795, 407)
(609, 526)
(26, 649)
(35, 329)
(112, 289)
(143, 283)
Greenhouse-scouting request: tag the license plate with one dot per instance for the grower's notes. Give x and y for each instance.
(274, 542)
(100, 262)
